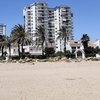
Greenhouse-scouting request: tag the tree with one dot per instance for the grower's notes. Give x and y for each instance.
(90, 52)
(40, 37)
(2, 43)
(21, 37)
(9, 41)
(64, 35)
(85, 39)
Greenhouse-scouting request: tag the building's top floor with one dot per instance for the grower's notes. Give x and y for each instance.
(42, 3)
(62, 6)
(39, 3)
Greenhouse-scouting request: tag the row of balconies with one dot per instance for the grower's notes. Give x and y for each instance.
(50, 17)
(41, 4)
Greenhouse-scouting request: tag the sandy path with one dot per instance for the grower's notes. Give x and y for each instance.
(50, 81)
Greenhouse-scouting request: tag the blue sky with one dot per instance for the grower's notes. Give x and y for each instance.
(86, 15)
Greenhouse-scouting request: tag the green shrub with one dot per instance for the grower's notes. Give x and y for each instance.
(70, 55)
(49, 51)
(2, 58)
(15, 57)
(59, 53)
(90, 52)
(40, 56)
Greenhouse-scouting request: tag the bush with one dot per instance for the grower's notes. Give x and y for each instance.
(59, 53)
(49, 51)
(2, 58)
(70, 55)
(90, 52)
(27, 54)
(90, 55)
(40, 56)
(15, 57)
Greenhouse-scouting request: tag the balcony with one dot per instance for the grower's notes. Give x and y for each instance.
(41, 12)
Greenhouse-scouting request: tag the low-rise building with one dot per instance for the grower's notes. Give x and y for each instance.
(91, 44)
(27, 50)
(75, 45)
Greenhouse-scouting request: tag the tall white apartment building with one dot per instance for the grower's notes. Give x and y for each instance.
(62, 18)
(2, 29)
(51, 27)
(52, 19)
(35, 15)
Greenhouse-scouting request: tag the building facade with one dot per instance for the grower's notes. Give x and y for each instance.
(2, 29)
(35, 15)
(52, 19)
(51, 25)
(62, 18)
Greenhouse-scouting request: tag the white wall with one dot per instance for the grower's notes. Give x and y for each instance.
(30, 49)
(97, 43)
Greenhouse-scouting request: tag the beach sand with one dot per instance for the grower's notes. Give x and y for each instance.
(50, 81)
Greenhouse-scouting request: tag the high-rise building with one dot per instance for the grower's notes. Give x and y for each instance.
(2, 29)
(51, 28)
(52, 19)
(62, 18)
(35, 15)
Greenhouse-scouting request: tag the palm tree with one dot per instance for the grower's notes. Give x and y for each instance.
(64, 35)
(2, 43)
(21, 37)
(85, 39)
(9, 41)
(40, 37)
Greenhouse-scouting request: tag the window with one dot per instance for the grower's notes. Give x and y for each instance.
(73, 48)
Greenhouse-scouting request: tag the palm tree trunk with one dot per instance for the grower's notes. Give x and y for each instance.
(85, 44)
(19, 50)
(22, 50)
(9, 50)
(2, 51)
(42, 49)
(64, 45)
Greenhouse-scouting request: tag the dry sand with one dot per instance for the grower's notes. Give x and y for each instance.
(50, 81)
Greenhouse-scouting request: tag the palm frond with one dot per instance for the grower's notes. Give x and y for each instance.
(19, 35)
(63, 33)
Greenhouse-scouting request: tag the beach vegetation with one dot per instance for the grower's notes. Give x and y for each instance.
(64, 35)
(21, 38)
(40, 38)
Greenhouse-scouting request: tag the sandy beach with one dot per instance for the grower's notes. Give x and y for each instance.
(50, 81)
